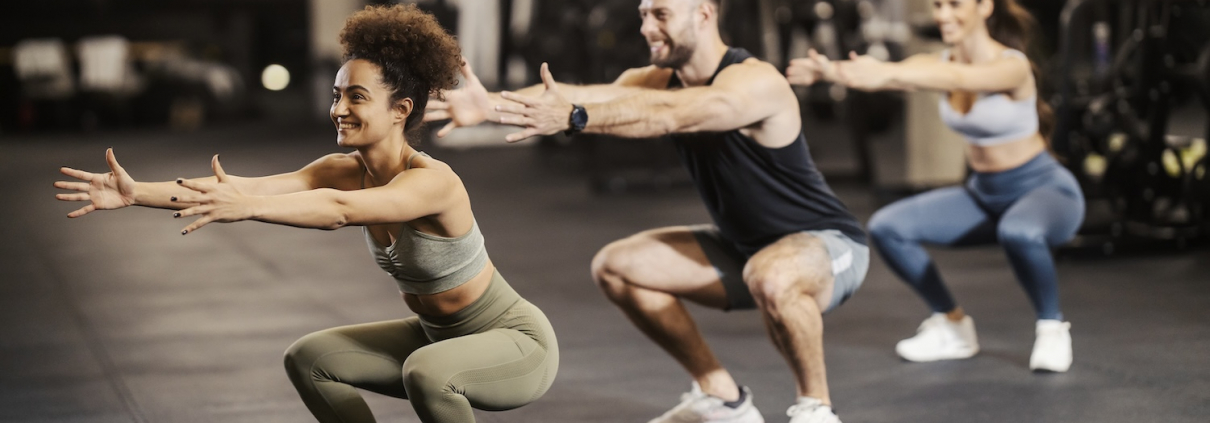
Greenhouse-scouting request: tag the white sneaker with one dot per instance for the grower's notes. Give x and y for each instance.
(938, 338)
(811, 410)
(697, 407)
(1052, 348)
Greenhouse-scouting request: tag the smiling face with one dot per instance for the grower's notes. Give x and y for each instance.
(957, 19)
(362, 108)
(668, 26)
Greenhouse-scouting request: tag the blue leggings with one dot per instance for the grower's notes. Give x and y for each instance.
(1027, 209)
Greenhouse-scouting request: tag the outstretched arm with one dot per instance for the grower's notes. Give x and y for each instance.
(928, 72)
(411, 195)
(473, 104)
(741, 95)
(116, 189)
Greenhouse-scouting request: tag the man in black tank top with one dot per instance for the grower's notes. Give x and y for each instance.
(781, 241)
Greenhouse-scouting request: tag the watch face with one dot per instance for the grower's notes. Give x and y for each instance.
(579, 118)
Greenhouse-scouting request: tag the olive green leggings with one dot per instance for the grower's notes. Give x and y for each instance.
(498, 353)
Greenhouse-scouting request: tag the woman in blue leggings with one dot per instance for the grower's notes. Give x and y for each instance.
(1018, 194)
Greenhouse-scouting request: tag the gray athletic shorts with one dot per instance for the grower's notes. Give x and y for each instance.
(850, 261)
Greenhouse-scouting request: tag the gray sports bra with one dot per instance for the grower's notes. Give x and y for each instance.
(425, 264)
(994, 118)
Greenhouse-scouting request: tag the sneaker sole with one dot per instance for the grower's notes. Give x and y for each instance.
(961, 356)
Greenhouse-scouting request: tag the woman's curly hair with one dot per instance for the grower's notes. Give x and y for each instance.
(417, 57)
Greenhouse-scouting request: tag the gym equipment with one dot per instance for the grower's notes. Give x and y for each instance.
(1113, 113)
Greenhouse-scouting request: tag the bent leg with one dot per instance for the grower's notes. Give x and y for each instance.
(326, 366)
(498, 369)
(645, 275)
(1043, 218)
(793, 282)
(946, 216)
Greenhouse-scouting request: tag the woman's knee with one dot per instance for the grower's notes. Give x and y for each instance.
(1015, 235)
(886, 225)
(301, 356)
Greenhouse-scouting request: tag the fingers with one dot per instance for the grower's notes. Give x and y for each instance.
(511, 96)
(518, 136)
(512, 108)
(78, 174)
(436, 115)
(74, 186)
(446, 129)
(516, 120)
(468, 73)
(82, 211)
(193, 211)
(548, 79)
(201, 187)
(189, 199)
(197, 224)
(113, 162)
(218, 170)
(853, 55)
(79, 196)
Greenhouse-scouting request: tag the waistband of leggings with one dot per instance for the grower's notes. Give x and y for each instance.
(496, 299)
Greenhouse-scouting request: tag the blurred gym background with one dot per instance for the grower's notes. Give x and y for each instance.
(117, 318)
(1129, 81)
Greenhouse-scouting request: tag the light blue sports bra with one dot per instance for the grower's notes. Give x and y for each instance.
(426, 264)
(994, 118)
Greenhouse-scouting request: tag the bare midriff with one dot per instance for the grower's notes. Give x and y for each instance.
(449, 302)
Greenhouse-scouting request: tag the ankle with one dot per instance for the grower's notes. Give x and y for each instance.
(955, 315)
(823, 399)
(725, 390)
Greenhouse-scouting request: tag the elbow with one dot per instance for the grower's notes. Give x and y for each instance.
(339, 213)
(667, 125)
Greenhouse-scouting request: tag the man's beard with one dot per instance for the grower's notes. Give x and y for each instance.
(678, 55)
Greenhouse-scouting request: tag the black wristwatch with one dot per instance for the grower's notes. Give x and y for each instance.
(577, 121)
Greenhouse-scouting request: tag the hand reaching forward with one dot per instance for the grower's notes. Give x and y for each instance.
(811, 69)
(103, 191)
(865, 73)
(543, 115)
(466, 106)
(215, 202)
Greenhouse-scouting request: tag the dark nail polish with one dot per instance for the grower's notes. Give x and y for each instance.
(184, 232)
(172, 199)
(176, 215)
(179, 181)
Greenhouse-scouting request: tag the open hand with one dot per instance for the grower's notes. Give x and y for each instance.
(102, 191)
(466, 106)
(543, 115)
(216, 202)
(811, 69)
(864, 73)
(807, 70)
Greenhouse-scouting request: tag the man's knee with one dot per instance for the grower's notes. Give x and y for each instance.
(774, 286)
(788, 270)
(619, 262)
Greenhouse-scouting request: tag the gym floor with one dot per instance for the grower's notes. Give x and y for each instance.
(115, 317)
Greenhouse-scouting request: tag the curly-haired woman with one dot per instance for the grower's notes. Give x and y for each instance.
(474, 342)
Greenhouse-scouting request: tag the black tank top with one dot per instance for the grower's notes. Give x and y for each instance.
(757, 194)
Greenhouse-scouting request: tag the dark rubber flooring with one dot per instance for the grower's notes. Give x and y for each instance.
(115, 317)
